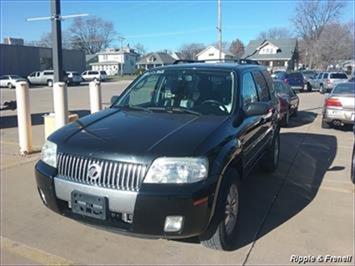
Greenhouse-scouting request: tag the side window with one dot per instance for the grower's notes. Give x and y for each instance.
(143, 91)
(269, 82)
(325, 75)
(261, 87)
(249, 94)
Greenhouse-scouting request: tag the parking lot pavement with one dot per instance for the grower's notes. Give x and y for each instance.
(305, 208)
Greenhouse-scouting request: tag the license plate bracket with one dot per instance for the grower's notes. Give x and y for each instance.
(89, 205)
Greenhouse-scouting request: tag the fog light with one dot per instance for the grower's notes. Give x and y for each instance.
(43, 197)
(173, 223)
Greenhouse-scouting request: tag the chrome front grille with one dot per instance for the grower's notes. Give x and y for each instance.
(110, 174)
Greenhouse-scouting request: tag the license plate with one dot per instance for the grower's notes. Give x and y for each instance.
(89, 205)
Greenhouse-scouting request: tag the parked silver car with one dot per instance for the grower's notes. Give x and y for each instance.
(9, 81)
(90, 75)
(45, 77)
(330, 79)
(339, 106)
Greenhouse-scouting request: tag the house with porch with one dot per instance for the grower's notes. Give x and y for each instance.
(275, 54)
(113, 60)
(211, 55)
(152, 60)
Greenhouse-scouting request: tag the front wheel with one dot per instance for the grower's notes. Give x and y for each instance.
(9, 86)
(223, 235)
(321, 89)
(50, 83)
(271, 157)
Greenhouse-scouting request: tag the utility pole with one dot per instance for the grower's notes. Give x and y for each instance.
(60, 93)
(57, 53)
(121, 39)
(219, 28)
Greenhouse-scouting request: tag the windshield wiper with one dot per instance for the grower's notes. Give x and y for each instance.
(174, 109)
(184, 110)
(135, 107)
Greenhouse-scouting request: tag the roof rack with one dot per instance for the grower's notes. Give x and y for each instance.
(241, 61)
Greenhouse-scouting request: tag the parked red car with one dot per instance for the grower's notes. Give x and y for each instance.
(289, 101)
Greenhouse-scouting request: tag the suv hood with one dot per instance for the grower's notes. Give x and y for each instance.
(133, 133)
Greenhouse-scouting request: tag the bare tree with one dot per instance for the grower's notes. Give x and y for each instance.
(139, 48)
(275, 33)
(335, 43)
(225, 45)
(190, 50)
(311, 17)
(237, 48)
(46, 40)
(91, 34)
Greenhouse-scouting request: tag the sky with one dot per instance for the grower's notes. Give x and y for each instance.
(158, 25)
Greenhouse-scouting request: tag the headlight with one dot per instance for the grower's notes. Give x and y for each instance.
(49, 153)
(177, 170)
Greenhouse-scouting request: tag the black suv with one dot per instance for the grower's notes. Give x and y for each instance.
(166, 159)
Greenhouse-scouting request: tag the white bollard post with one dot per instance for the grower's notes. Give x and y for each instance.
(60, 99)
(95, 96)
(24, 117)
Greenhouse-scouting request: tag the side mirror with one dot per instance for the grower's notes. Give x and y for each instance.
(257, 108)
(114, 99)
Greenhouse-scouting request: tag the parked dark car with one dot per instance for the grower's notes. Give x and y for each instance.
(289, 101)
(294, 79)
(167, 158)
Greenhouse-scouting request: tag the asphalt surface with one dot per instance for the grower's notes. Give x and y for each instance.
(305, 208)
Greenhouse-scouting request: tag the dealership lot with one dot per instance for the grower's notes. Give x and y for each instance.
(305, 208)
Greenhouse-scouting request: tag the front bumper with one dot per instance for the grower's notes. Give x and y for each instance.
(344, 116)
(148, 207)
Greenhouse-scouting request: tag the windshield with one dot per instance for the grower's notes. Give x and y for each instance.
(15, 77)
(280, 88)
(202, 92)
(345, 88)
(280, 75)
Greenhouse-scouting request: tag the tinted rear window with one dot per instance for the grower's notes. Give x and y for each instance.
(261, 87)
(48, 73)
(103, 72)
(338, 76)
(345, 88)
(295, 75)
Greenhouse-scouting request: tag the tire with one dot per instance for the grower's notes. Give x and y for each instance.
(271, 157)
(225, 220)
(325, 124)
(309, 87)
(286, 119)
(9, 85)
(321, 89)
(50, 83)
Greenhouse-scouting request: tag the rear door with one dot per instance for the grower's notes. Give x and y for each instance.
(268, 118)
